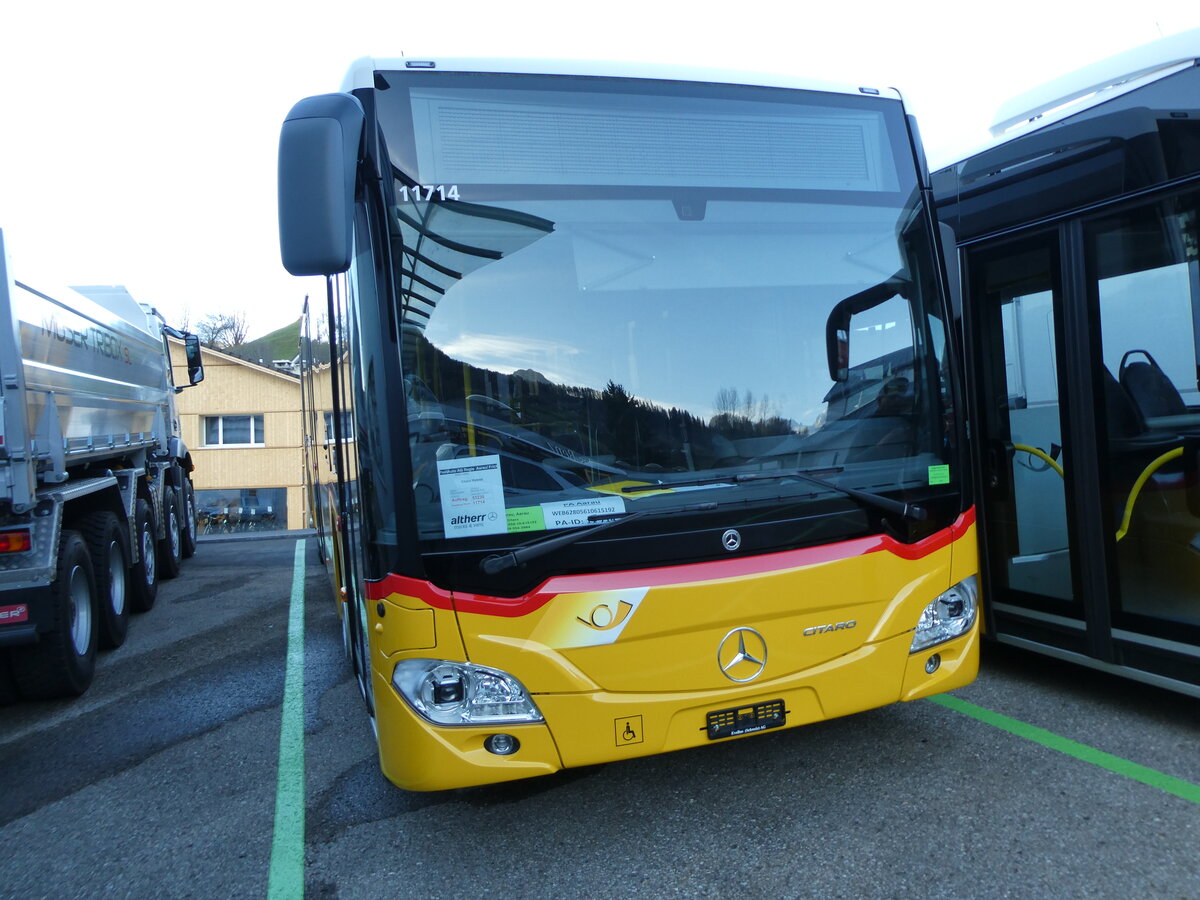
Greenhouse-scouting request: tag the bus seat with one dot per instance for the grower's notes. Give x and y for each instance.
(1150, 388)
(1123, 417)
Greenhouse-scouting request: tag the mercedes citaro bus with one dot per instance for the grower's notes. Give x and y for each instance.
(637, 427)
(1079, 237)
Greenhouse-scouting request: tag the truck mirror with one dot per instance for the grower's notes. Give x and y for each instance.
(191, 346)
(318, 158)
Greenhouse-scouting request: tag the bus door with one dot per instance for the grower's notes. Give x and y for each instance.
(1086, 342)
(1142, 286)
(1015, 323)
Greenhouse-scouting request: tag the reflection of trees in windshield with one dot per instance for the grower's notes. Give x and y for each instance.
(611, 425)
(747, 416)
(561, 436)
(648, 437)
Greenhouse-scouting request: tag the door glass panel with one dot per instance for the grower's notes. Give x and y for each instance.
(1144, 275)
(1025, 500)
(1041, 563)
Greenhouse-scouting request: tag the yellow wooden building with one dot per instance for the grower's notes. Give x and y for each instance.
(242, 425)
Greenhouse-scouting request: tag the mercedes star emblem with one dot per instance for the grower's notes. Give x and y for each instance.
(742, 655)
(731, 540)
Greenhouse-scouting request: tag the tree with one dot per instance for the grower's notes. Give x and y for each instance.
(222, 330)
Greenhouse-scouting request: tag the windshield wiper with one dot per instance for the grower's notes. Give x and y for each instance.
(887, 504)
(899, 507)
(498, 562)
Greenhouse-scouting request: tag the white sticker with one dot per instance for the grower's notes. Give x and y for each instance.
(571, 513)
(472, 496)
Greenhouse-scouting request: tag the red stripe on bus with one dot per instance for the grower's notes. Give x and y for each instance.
(511, 607)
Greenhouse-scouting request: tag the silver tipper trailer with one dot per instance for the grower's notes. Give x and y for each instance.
(96, 500)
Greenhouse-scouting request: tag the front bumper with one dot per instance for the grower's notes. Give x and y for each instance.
(595, 727)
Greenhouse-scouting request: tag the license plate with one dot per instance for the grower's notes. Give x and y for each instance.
(748, 719)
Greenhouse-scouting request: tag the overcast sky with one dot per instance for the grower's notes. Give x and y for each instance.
(140, 139)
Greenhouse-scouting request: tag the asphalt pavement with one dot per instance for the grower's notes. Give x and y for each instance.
(161, 781)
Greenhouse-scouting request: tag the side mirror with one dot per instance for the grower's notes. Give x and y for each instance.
(837, 326)
(318, 159)
(837, 343)
(191, 346)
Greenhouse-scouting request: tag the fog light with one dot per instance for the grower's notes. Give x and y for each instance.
(933, 664)
(502, 744)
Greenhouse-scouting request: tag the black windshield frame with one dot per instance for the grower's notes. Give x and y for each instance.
(768, 512)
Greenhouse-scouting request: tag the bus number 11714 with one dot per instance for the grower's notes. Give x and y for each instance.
(423, 193)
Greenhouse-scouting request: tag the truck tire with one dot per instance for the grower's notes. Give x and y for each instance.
(143, 580)
(63, 661)
(107, 544)
(170, 548)
(189, 519)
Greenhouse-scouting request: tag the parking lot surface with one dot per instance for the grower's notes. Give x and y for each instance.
(163, 781)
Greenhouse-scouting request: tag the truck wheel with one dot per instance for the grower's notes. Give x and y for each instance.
(62, 662)
(143, 576)
(189, 519)
(110, 564)
(170, 548)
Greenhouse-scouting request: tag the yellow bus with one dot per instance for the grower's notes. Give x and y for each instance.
(638, 430)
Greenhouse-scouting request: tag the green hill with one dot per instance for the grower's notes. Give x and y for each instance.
(283, 343)
(279, 344)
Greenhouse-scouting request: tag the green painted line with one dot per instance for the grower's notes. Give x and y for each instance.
(286, 878)
(1152, 777)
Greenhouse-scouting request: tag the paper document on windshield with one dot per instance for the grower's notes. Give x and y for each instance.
(472, 496)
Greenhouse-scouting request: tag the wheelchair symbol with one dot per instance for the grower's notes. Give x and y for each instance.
(628, 730)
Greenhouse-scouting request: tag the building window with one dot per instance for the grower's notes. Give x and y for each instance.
(237, 510)
(347, 426)
(233, 431)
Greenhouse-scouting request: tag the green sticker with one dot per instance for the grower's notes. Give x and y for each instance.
(937, 475)
(526, 518)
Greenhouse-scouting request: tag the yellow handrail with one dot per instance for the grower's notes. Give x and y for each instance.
(1040, 454)
(1134, 491)
(1137, 486)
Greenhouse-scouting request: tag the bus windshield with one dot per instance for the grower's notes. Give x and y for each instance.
(618, 295)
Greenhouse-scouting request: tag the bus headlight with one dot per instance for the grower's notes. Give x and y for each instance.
(457, 693)
(948, 615)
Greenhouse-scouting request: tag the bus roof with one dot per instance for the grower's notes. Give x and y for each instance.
(1098, 82)
(1084, 89)
(362, 72)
